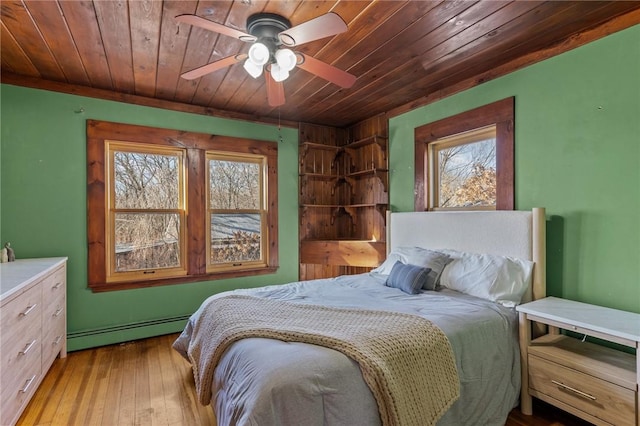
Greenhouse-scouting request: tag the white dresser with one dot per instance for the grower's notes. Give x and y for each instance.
(33, 328)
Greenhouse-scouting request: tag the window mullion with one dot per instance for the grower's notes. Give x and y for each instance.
(196, 211)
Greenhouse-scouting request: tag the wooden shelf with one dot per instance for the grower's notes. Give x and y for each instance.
(374, 172)
(359, 173)
(313, 145)
(370, 172)
(351, 206)
(350, 174)
(349, 177)
(348, 208)
(379, 140)
(319, 176)
(363, 253)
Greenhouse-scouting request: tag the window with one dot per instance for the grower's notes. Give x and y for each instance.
(167, 206)
(462, 171)
(236, 211)
(145, 211)
(465, 162)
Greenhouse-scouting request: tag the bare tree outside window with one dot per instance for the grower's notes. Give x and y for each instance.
(157, 198)
(146, 210)
(475, 187)
(467, 175)
(463, 170)
(235, 209)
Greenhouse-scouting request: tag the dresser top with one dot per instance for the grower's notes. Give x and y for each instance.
(15, 276)
(598, 318)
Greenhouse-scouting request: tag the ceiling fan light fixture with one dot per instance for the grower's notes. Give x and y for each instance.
(279, 73)
(286, 59)
(254, 70)
(269, 54)
(259, 54)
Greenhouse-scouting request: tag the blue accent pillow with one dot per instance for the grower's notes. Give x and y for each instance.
(408, 278)
(425, 258)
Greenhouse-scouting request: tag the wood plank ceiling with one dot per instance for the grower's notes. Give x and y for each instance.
(404, 53)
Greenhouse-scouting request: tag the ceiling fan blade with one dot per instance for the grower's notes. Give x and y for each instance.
(275, 91)
(326, 71)
(323, 26)
(215, 27)
(213, 66)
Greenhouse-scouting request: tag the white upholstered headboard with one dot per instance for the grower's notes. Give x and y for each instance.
(505, 232)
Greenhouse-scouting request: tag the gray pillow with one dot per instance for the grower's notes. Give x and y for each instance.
(408, 278)
(435, 260)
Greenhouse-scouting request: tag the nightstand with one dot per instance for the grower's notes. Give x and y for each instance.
(591, 381)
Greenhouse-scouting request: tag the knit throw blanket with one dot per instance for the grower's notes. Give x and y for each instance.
(406, 360)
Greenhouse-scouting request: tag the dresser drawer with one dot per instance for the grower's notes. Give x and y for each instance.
(17, 359)
(33, 324)
(20, 339)
(596, 397)
(54, 285)
(53, 340)
(20, 381)
(53, 312)
(21, 311)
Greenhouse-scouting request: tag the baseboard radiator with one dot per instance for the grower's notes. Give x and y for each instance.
(84, 339)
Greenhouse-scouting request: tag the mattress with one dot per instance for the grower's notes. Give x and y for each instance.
(268, 382)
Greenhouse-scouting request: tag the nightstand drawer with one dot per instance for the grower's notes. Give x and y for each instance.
(596, 397)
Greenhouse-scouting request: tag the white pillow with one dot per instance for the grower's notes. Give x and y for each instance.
(500, 279)
(417, 256)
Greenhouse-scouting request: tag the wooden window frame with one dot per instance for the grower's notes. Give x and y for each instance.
(433, 165)
(110, 211)
(262, 211)
(196, 145)
(502, 115)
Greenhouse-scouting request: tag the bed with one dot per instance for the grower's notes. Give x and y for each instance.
(293, 378)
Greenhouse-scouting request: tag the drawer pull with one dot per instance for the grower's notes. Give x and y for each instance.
(28, 310)
(57, 286)
(574, 390)
(27, 385)
(57, 341)
(27, 348)
(58, 312)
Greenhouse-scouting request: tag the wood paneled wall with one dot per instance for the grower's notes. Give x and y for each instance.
(343, 197)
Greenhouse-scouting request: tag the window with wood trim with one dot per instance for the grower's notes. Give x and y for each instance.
(462, 171)
(236, 211)
(466, 162)
(145, 211)
(168, 207)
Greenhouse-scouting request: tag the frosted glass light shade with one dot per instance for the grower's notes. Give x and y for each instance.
(278, 73)
(259, 54)
(286, 59)
(254, 70)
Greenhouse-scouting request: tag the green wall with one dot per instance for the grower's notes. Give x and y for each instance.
(577, 152)
(43, 207)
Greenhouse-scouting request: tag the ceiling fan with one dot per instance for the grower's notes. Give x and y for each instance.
(272, 35)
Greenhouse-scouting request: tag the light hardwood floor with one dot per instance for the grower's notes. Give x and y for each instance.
(145, 383)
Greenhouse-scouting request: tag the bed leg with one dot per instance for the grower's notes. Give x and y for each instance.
(526, 405)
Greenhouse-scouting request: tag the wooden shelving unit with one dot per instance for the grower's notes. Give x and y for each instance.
(343, 198)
